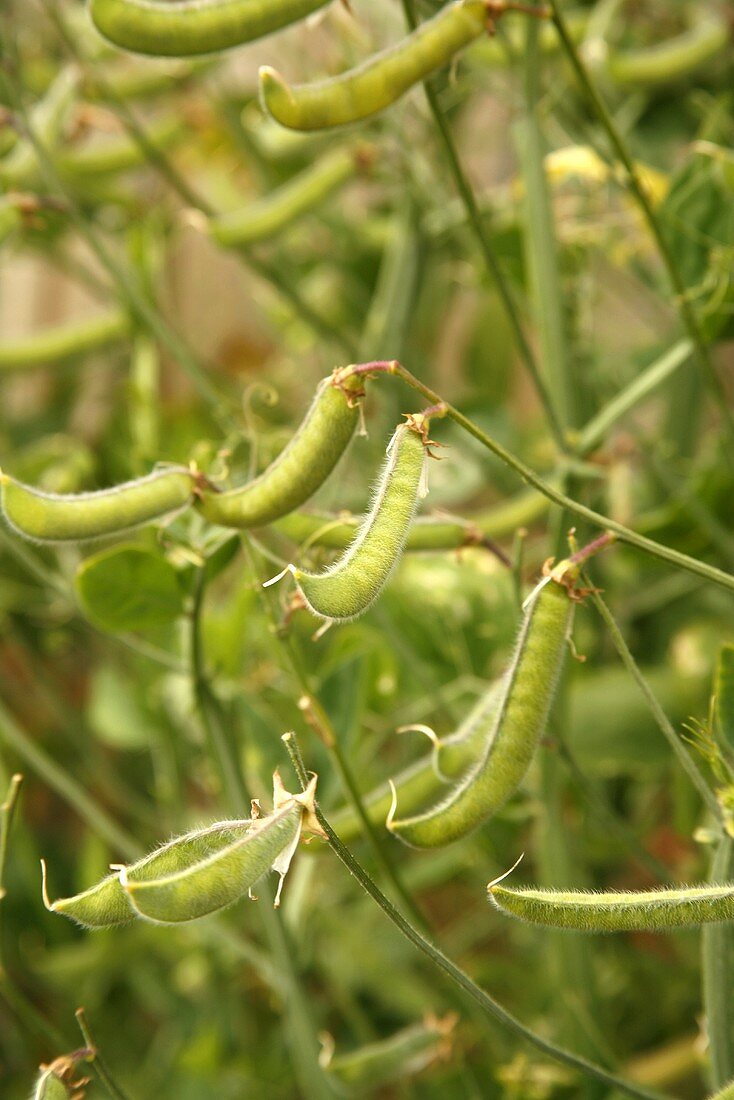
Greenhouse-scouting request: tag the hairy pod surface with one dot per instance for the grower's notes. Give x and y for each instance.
(381, 80)
(354, 582)
(300, 469)
(62, 342)
(54, 517)
(423, 782)
(102, 906)
(207, 870)
(513, 733)
(185, 28)
(270, 215)
(617, 911)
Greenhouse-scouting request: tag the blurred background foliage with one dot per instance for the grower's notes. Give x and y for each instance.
(96, 691)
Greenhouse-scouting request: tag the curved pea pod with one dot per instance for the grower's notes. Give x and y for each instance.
(270, 215)
(102, 906)
(300, 469)
(425, 780)
(617, 911)
(674, 58)
(404, 1054)
(119, 152)
(355, 581)
(62, 342)
(381, 80)
(513, 733)
(186, 28)
(56, 517)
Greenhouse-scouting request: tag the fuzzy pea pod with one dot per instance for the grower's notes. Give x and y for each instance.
(186, 28)
(421, 783)
(57, 517)
(119, 152)
(515, 729)
(268, 216)
(62, 342)
(200, 872)
(300, 469)
(617, 911)
(381, 80)
(353, 583)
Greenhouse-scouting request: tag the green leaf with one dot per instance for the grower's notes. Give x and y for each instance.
(129, 588)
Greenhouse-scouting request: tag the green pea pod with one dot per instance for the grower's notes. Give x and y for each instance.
(300, 469)
(270, 215)
(102, 906)
(56, 517)
(424, 781)
(515, 730)
(402, 1055)
(62, 342)
(727, 1093)
(119, 153)
(617, 911)
(48, 119)
(186, 28)
(381, 80)
(355, 581)
(675, 58)
(210, 869)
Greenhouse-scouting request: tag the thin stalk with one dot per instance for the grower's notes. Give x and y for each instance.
(686, 311)
(489, 1006)
(164, 166)
(679, 750)
(97, 1062)
(466, 193)
(624, 534)
(65, 786)
(301, 1034)
(128, 287)
(663, 368)
(717, 948)
(319, 721)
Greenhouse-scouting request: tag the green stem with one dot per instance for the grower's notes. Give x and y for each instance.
(65, 786)
(319, 721)
(300, 1030)
(489, 1006)
(98, 1063)
(624, 534)
(486, 247)
(717, 948)
(679, 749)
(686, 311)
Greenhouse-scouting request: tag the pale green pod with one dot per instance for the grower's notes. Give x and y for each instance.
(404, 1054)
(185, 28)
(674, 58)
(424, 781)
(270, 215)
(381, 80)
(354, 582)
(55, 517)
(209, 869)
(48, 118)
(513, 734)
(300, 469)
(67, 341)
(49, 1086)
(617, 911)
(120, 152)
(102, 906)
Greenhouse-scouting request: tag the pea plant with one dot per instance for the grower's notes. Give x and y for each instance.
(459, 463)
